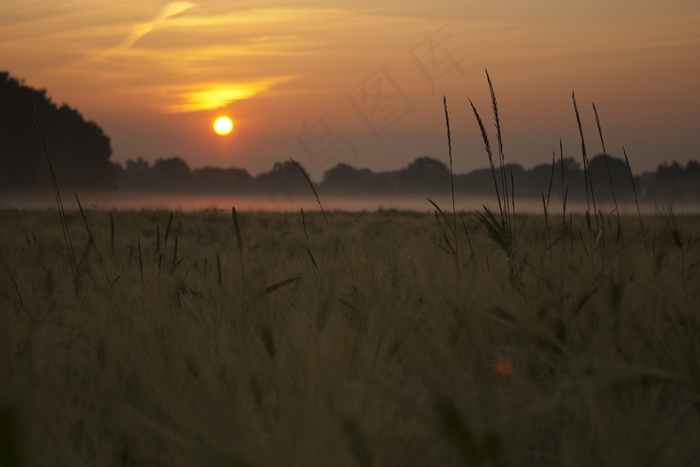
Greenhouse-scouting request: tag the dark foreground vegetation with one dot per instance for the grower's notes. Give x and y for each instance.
(153, 338)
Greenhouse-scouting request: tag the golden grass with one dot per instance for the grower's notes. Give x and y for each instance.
(385, 357)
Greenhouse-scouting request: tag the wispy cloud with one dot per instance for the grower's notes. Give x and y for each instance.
(140, 30)
(209, 96)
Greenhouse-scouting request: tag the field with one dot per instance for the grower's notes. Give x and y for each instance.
(386, 338)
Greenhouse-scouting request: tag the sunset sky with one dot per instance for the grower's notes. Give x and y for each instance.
(362, 82)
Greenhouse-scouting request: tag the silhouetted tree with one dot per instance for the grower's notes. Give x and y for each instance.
(136, 176)
(216, 180)
(477, 181)
(138, 165)
(171, 166)
(174, 175)
(171, 174)
(283, 178)
(673, 182)
(345, 178)
(79, 149)
(602, 169)
(425, 174)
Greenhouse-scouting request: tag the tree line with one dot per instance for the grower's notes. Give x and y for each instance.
(608, 177)
(80, 153)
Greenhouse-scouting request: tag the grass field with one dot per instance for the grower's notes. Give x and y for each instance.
(386, 338)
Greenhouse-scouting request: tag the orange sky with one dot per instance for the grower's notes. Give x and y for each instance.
(362, 82)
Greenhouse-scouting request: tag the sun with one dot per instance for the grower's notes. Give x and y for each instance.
(223, 126)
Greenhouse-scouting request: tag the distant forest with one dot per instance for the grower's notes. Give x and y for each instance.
(80, 154)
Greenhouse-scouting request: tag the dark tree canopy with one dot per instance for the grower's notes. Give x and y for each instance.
(79, 149)
(426, 174)
(608, 173)
(173, 175)
(283, 178)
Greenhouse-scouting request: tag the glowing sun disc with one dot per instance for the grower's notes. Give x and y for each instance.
(223, 126)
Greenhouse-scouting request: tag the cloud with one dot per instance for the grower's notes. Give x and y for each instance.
(142, 29)
(217, 95)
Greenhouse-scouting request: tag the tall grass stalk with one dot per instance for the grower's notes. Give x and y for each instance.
(452, 250)
(19, 301)
(551, 178)
(239, 244)
(546, 219)
(337, 244)
(175, 261)
(244, 319)
(590, 197)
(318, 200)
(452, 181)
(500, 230)
(636, 201)
(91, 239)
(67, 239)
(607, 166)
(469, 240)
(167, 232)
(487, 146)
(564, 195)
(545, 202)
(307, 247)
(564, 189)
(501, 155)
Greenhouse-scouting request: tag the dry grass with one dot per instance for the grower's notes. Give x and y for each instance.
(385, 357)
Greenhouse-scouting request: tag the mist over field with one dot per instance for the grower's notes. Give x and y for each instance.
(270, 203)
